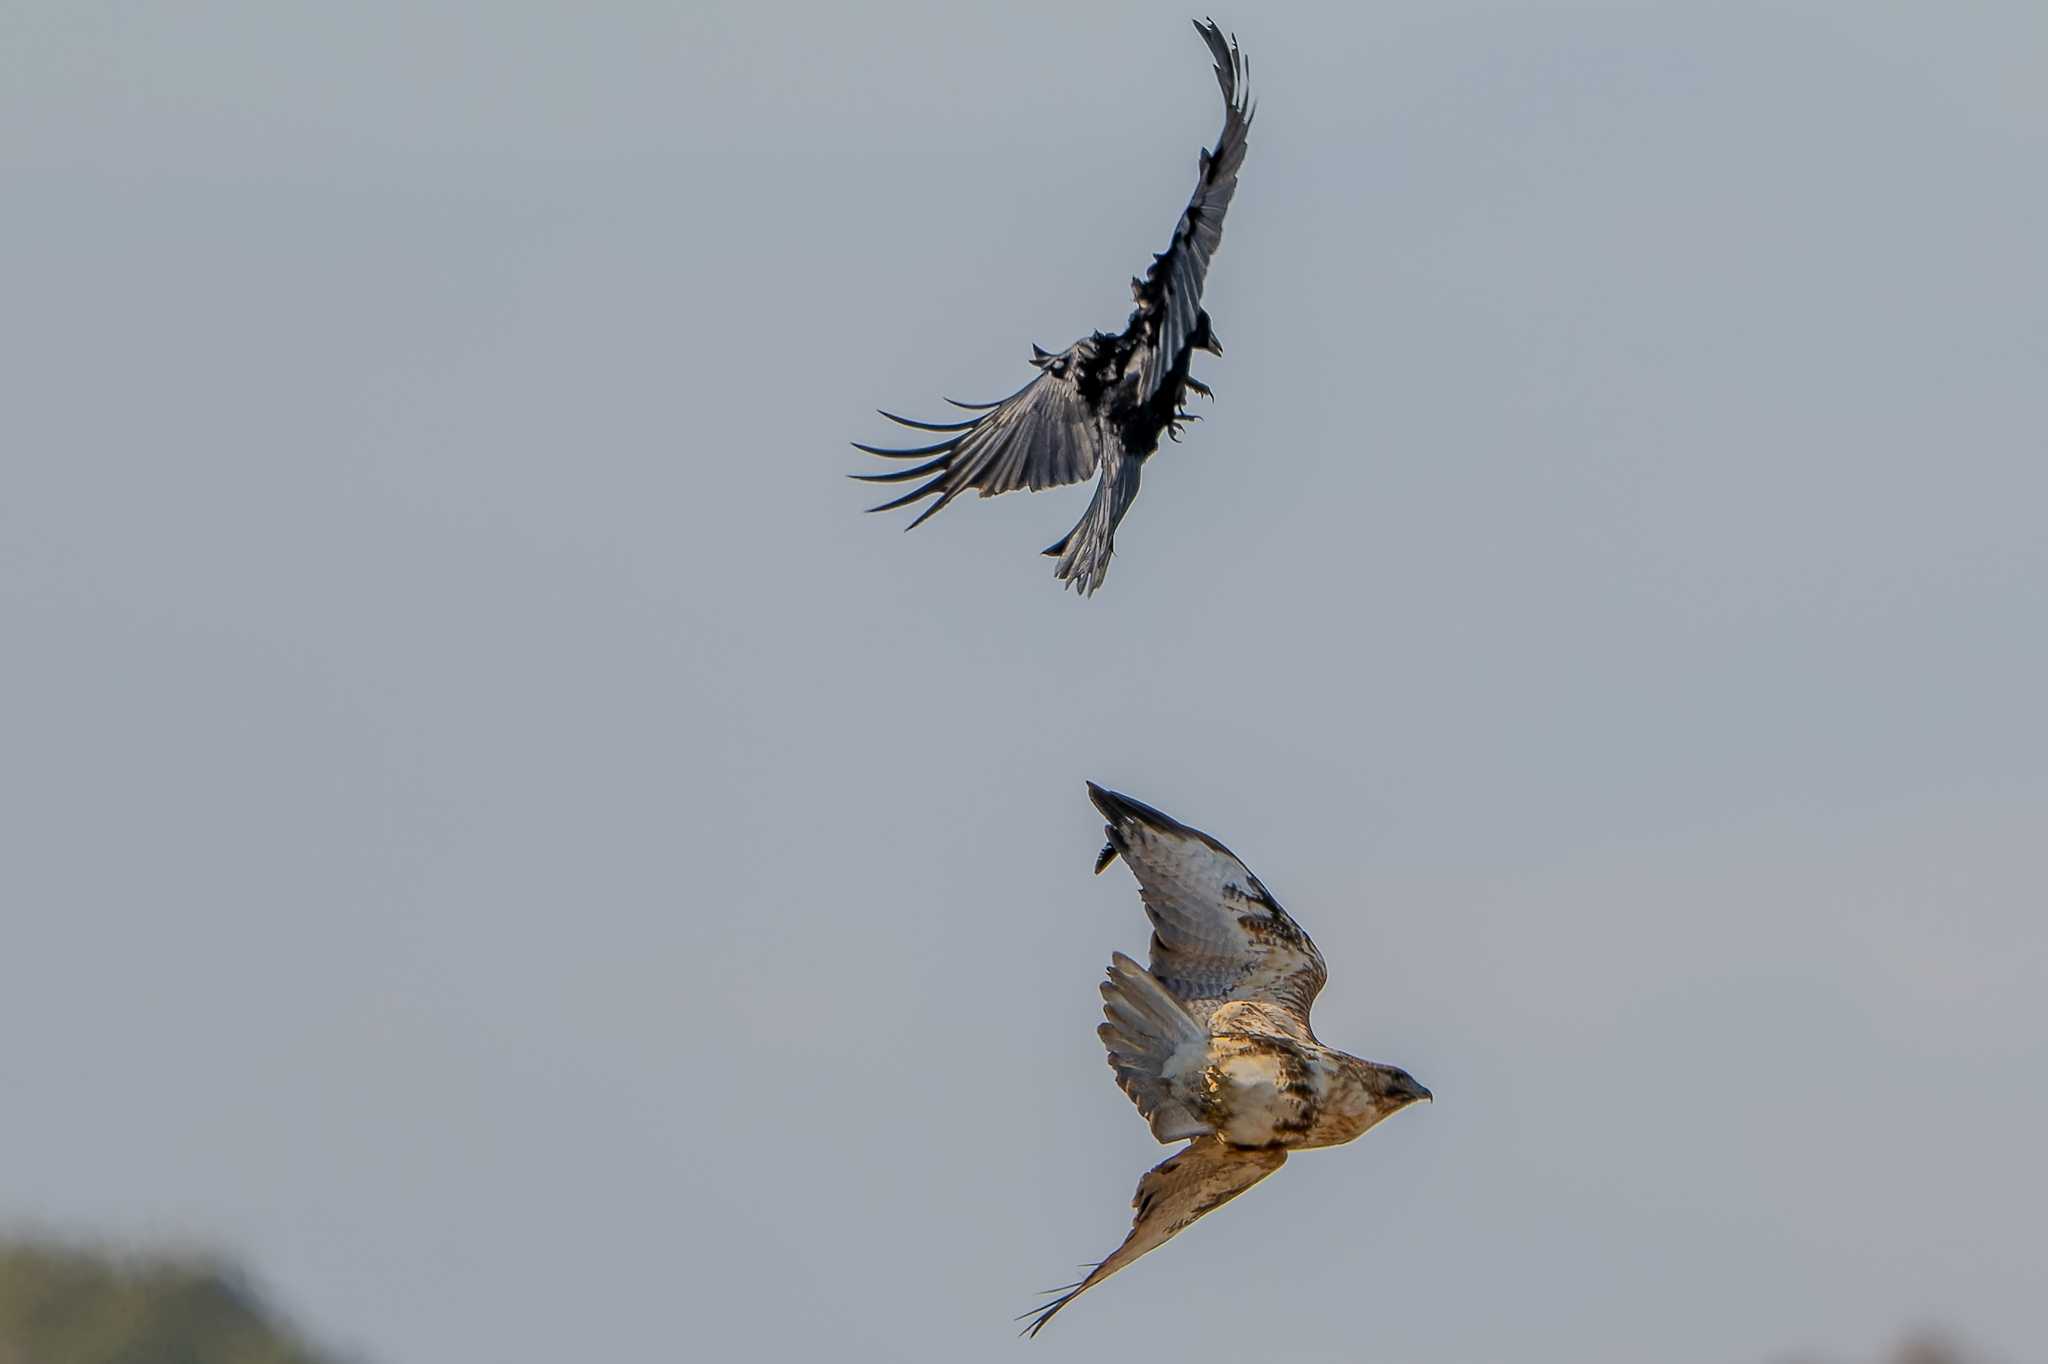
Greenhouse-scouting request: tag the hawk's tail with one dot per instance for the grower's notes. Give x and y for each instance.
(1146, 1026)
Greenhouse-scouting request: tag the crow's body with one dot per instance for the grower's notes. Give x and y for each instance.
(1100, 406)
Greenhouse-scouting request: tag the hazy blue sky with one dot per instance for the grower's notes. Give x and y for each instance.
(494, 837)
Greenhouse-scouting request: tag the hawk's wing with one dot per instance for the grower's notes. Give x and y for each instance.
(1217, 935)
(1170, 295)
(1045, 434)
(1200, 1177)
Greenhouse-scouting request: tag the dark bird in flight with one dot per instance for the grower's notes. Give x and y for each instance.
(1100, 404)
(1212, 1041)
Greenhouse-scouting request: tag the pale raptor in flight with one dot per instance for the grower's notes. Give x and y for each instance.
(1102, 403)
(1212, 1041)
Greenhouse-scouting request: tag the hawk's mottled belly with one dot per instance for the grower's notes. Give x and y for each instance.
(1262, 1090)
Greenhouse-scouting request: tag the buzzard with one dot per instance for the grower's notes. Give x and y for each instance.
(1100, 405)
(1212, 1040)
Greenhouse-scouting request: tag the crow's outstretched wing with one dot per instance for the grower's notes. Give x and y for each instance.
(1045, 434)
(1199, 1178)
(1170, 295)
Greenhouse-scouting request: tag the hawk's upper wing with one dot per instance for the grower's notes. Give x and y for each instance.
(1217, 935)
(1170, 295)
(1201, 1176)
(1046, 433)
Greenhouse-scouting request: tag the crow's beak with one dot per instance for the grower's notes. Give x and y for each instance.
(1215, 347)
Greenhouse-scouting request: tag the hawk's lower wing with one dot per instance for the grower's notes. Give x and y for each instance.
(1202, 1176)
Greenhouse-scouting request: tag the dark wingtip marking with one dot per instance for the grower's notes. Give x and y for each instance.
(1116, 807)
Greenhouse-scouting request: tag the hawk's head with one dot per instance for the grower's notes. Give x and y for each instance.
(1392, 1088)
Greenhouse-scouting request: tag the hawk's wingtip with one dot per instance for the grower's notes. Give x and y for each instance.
(1103, 798)
(1119, 808)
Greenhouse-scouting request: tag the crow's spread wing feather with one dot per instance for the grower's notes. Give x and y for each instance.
(1218, 936)
(1045, 434)
(1170, 295)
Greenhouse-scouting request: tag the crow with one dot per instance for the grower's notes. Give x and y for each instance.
(1101, 404)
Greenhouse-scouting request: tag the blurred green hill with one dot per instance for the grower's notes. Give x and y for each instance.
(70, 1306)
(66, 1305)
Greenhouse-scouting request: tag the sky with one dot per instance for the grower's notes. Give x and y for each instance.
(498, 843)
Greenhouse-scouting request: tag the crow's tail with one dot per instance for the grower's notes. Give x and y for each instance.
(1085, 550)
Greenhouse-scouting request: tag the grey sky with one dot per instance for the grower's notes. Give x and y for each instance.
(496, 838)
